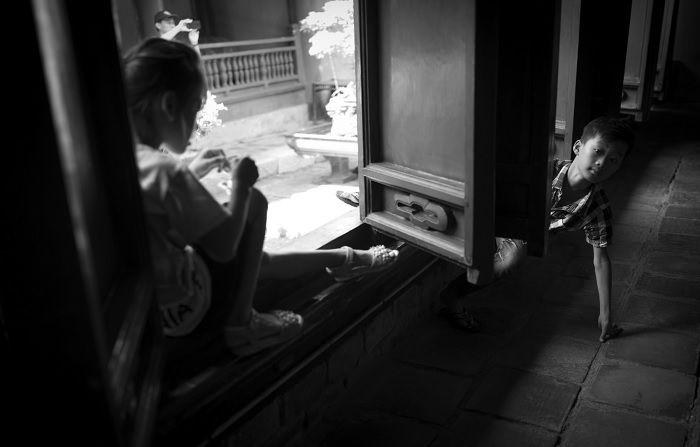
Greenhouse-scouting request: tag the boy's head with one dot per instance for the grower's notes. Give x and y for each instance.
(164, 21)
(604, 143)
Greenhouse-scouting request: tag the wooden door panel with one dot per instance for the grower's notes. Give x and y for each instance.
(447, 89)
(423, 85)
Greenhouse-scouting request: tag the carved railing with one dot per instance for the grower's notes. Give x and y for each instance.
(239, 65)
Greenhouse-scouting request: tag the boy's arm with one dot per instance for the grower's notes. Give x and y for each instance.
(603, 277)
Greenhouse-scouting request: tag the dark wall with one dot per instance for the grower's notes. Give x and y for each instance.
(686, 53)
(246, 20)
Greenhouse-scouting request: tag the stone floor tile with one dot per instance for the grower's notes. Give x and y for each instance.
(577, 291)
(650, 283)
(651, 390)
(681, 197)
(674, 264)
(477, 430)
(499, 321)
(653, 347)
(679, 225)
(624, 249)
(582, 267)
(686, 212)
(635, 217)
(379, 431)
(680, 244)
(517, 293)
(403, 390)
(611, 428)
(624, 203)
(630, 232)
(525, 397)
(564, 358)
(580, 323)
(661, 313)
(445, 347)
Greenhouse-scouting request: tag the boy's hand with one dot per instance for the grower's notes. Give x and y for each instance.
(244, 172)
(193, 35)
(607, 329)
(208, 159)
(182, 24)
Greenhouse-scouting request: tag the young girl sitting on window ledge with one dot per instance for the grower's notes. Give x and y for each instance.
(208, 258)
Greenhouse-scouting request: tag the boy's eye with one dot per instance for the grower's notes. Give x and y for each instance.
(613, 160)
(596, 150)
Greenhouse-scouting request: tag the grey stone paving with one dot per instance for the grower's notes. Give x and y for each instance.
(473, 429)
(651, 390)
(522, 396)
(613, 428)
(537, 375)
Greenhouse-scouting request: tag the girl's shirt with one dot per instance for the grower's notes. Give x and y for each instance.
(179, 212)
(592, 212)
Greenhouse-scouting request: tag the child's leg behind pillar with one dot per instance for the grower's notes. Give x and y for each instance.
(508, 257)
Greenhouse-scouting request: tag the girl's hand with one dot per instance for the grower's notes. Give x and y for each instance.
(244, 172)
(208, 159)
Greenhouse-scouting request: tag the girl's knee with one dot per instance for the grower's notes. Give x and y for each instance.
(257, 203)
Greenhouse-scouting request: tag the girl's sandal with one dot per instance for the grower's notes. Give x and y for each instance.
(263, 331)
(382, 259)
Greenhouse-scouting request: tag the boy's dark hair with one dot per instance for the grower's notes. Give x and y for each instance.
(610, 129)
(157, 65)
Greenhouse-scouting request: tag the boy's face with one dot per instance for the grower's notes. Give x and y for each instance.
(598, 159)
(165, 25)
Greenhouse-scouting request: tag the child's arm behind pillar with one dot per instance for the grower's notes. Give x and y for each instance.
(603, 276)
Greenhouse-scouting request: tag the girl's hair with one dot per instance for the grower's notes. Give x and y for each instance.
(610, 129)
(156, 66)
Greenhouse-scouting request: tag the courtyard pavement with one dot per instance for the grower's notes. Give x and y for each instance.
(300, 189)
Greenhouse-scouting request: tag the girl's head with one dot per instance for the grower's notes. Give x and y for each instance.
(165, 88)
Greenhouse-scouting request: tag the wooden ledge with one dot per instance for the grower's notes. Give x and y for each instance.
(223, 390)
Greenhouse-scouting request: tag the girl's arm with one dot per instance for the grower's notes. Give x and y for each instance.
(221, 243)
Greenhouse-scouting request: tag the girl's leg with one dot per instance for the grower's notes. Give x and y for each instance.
(298, 263)
(248, 258)
(355, 262)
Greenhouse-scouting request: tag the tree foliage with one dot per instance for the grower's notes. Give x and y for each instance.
(332, 29)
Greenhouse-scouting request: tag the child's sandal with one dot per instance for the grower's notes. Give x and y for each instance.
(263, 331)
(382, 259)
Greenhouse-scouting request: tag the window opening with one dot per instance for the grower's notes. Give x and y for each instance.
(281, 90)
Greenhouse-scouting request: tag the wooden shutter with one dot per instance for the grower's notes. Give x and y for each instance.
(83, 337)
(456, 123)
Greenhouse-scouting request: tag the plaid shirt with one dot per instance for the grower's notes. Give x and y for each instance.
(591, 212)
